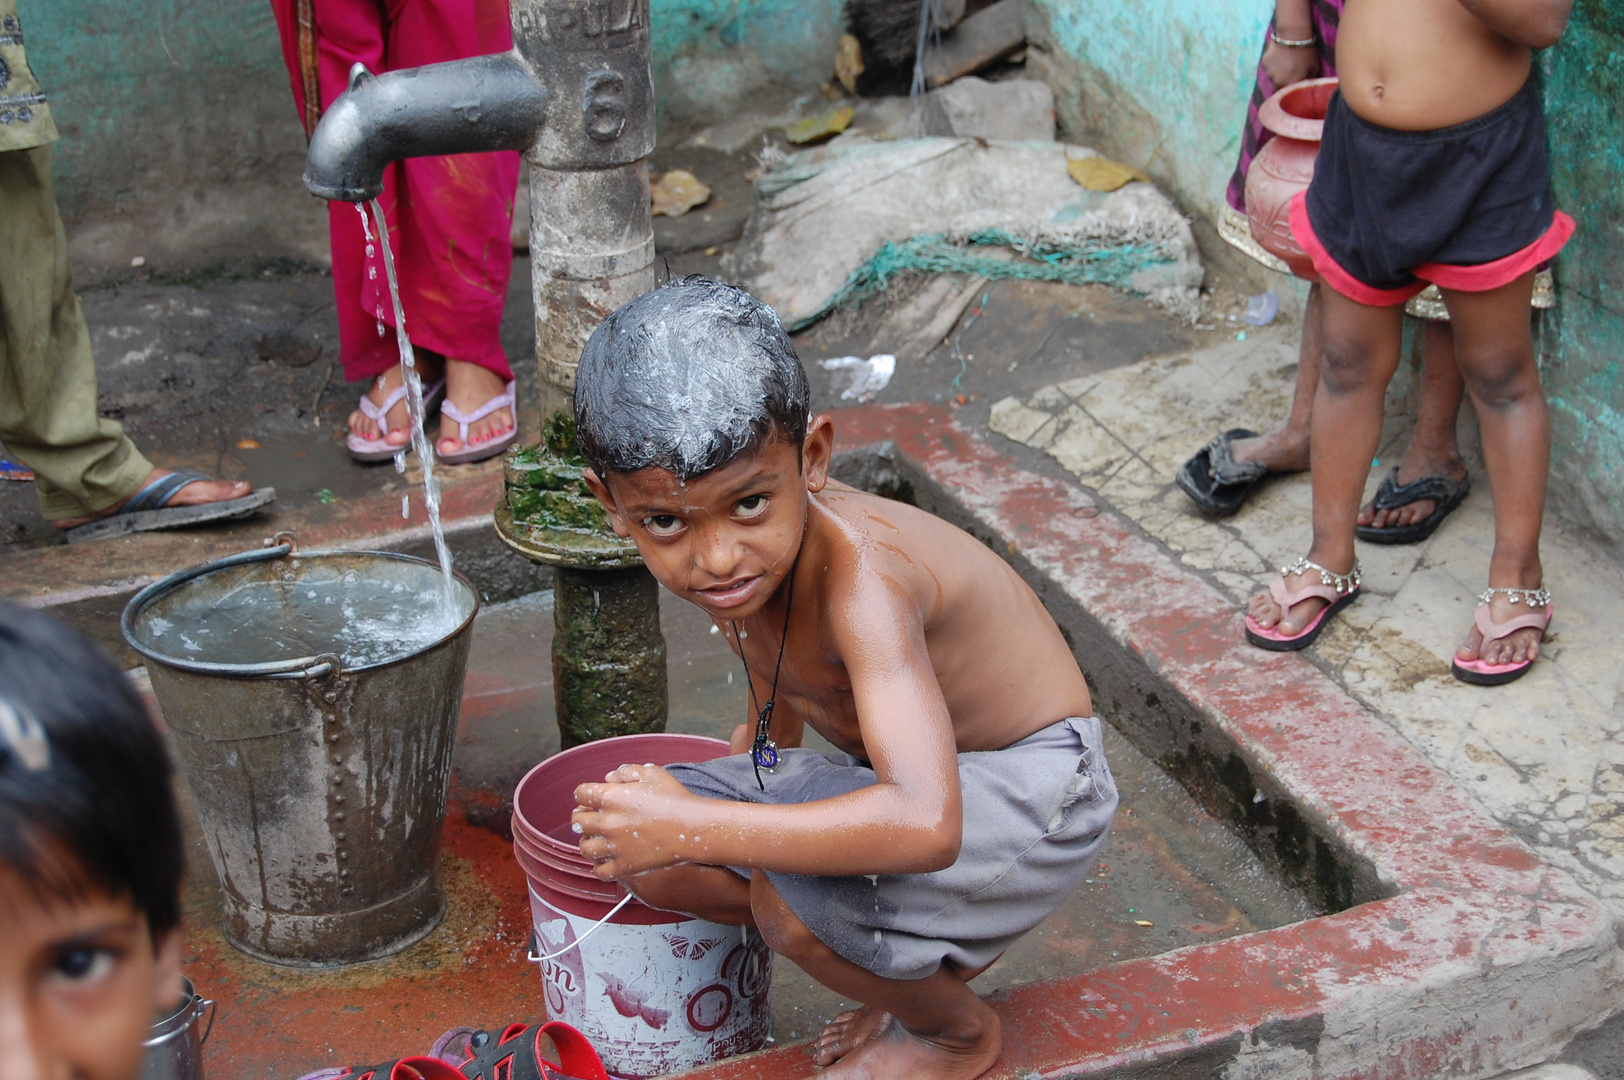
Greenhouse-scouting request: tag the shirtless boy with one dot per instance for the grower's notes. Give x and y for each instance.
(971, 792)
(1432, 169)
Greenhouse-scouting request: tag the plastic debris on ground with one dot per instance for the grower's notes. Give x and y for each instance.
(10, 470)
(677, 192)
(835, 223)
(821, 126)
(867, 377)
(1261, 309)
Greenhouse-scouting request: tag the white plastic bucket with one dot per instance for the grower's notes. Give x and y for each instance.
(655, 991)
(656, 998)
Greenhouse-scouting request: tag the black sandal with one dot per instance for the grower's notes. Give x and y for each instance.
(1443, 491)
(515, 1053)
(1215, 481)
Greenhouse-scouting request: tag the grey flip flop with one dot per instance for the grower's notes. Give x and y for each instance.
(149, 509)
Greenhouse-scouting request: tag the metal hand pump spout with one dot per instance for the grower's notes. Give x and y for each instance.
(484, 103)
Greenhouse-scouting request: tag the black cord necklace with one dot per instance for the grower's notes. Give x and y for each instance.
(763, 751)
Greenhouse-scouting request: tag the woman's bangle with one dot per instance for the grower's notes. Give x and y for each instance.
(1287, 43)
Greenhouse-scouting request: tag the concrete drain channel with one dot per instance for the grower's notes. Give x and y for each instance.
(1446, 947)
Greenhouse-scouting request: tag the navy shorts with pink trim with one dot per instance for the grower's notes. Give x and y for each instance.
(1467, 208)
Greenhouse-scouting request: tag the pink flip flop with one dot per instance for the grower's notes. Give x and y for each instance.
(488, 449)
(379, 449)
(1483, 673)
(1340, 589)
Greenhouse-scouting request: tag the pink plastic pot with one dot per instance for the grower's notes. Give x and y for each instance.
(1285, 166)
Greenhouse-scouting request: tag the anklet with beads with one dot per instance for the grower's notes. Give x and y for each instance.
(1342, 583)
(1540, 597)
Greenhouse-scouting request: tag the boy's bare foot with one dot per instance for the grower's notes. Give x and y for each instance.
(468, 386)
(399, 419)
(1517, 647)
(847, 1032)
(1283, 451)
(198, 494)
(894, 1051)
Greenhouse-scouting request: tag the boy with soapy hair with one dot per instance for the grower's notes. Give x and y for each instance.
(969, 792)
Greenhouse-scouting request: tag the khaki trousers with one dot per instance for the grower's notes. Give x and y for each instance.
(83, 464)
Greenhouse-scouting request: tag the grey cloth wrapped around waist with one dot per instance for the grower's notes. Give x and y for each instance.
(1035, 815)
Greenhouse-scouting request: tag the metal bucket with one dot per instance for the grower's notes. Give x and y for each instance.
(175, 1046)
(321, 787)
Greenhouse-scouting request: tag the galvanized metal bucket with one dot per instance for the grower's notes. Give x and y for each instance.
(321, 788)
(175, 1046)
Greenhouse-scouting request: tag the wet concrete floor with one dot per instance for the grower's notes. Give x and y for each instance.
(1170, 876)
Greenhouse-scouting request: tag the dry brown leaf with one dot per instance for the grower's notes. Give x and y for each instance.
(832, 122)
(1103, 174)
(849, 62)
(678, 192)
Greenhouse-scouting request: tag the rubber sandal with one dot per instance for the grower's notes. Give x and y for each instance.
(148, 509)
(371, 451)
(1482, 673)
(489, 449)
(466, 1053)
(421, 1067)
(1391, 495)
(1215, 481)
(1340, 589)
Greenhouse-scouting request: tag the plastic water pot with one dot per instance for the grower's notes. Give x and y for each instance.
(320, 780)
(655, 991)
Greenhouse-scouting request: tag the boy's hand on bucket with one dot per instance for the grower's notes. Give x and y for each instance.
(632, 823)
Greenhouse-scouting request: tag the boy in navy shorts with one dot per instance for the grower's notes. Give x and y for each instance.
(1432, 170)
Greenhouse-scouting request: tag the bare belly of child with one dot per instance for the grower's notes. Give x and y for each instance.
(1420, 65)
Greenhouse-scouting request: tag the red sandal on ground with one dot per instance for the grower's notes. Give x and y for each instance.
(514, 1053)
(1339, 590)
(1483, 673)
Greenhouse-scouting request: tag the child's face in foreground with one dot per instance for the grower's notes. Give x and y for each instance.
(727, 539)
(80, 984)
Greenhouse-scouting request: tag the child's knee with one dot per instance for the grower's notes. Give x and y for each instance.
(1502, 377)
(1350, 365)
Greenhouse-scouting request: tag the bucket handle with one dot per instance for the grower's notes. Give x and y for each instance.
(279, 546)
(198, 1004)
(534, 959)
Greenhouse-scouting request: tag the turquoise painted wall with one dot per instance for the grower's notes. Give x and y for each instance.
(1156, 81)
(1584, 106)
(155, 94)
(711, 57)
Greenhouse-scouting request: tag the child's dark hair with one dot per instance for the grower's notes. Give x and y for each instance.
(687, 378)
(85, 799)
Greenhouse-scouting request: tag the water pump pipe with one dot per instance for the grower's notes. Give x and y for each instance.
(576, 96)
